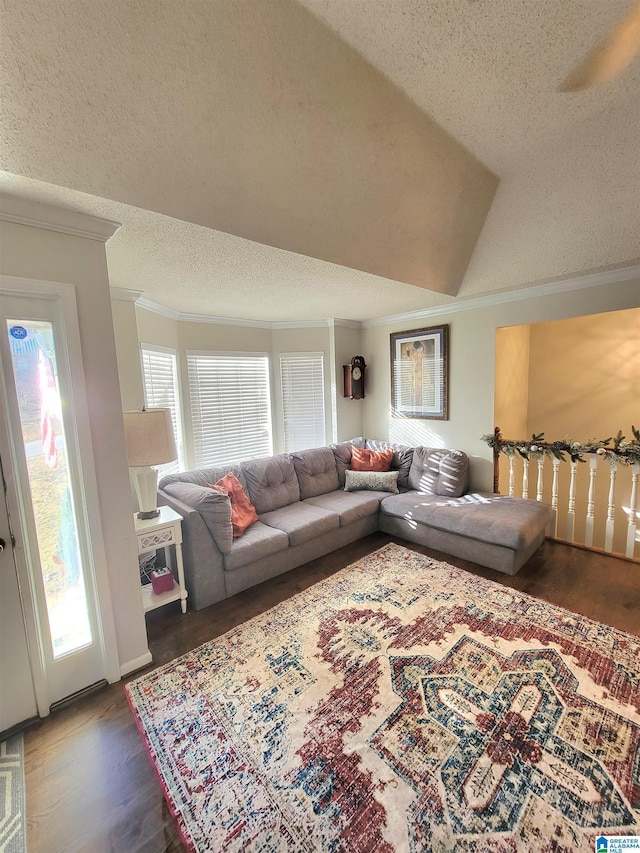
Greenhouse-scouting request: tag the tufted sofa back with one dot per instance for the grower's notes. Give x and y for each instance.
(271, 482)
(439, 472)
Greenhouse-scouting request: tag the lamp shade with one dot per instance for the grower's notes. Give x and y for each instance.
(149, 437)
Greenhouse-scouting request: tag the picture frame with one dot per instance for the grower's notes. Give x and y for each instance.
(420, 373)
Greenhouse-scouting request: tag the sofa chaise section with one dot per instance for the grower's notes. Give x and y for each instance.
(492, 530)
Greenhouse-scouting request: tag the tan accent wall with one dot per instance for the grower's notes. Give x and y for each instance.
(512, 380)
(584, 383)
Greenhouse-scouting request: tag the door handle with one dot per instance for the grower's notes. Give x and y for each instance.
(2, 545)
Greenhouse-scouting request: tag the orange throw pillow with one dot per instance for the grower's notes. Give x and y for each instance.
(243, 512)
(370, 460)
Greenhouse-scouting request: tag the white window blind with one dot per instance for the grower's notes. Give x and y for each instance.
(302, 381)
(230, 407)
(161, 391)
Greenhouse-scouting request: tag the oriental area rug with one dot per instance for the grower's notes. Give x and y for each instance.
(400, 705)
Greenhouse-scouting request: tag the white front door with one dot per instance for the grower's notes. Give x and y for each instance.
(17, 697)
(47, 498)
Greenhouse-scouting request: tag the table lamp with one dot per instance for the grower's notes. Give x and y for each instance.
(150, 441)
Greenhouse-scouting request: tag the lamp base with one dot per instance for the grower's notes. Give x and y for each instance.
(154, 513)
(145, 481)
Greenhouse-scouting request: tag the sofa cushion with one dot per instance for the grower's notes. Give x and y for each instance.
(439, 472)
(243, 512)
(377, 481)
(350, 506)
(371, 460)
(500, 520)
(271, 482)
(402, 458)
(214, 508)
(202, 476)
(342, 453)
(316, 471)
(302, 522)
(258, 542)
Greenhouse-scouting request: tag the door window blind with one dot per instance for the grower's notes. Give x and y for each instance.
(161, 391)
(230, 407)
(302, 381)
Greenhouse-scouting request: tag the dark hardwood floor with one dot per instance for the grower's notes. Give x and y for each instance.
(90, 785)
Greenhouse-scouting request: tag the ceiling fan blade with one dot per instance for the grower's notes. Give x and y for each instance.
(609, 58)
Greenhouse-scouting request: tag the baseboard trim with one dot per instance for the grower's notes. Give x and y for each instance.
(135, 664)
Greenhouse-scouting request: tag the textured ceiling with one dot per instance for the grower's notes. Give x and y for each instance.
(165, 117)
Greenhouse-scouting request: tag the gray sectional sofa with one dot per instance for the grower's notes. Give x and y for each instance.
(305, 512)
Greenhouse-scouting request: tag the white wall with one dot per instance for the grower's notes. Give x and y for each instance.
(338, 340)
(347, 342)
(128, 353)
(472, 367)
(34, 253)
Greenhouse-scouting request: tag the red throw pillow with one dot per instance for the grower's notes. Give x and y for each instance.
(370, 460)
(243, 512)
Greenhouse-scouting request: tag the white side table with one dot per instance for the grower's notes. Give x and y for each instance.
(161, 532)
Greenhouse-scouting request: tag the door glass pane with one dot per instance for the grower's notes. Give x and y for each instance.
(35, 370)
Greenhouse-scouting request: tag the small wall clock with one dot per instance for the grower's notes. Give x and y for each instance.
(354, 378)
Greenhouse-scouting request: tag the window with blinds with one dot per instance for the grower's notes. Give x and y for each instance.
(161, 391)
(230, 407)
(302, 382)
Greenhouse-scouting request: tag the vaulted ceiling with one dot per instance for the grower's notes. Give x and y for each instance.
(283, 160)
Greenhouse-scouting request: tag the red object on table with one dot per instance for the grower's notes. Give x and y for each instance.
(161, 580)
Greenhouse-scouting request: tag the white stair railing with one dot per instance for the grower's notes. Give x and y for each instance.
(601, 514)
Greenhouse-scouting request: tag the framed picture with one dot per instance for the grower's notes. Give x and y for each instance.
(419, 373)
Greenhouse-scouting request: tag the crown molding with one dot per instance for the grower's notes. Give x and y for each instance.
(123, 294)
(597, 279)
(301, 324)
(551, 288)
(184, 317)
(346, 324)
(24, 211)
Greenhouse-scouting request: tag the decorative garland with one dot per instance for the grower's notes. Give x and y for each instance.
(627, 452)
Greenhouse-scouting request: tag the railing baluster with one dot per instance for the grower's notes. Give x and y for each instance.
(591, 500)
(633, 502)
(554, 497)
(540, 476)
(588, 531)
(571, 514)
(525, 478)
(611, 508)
